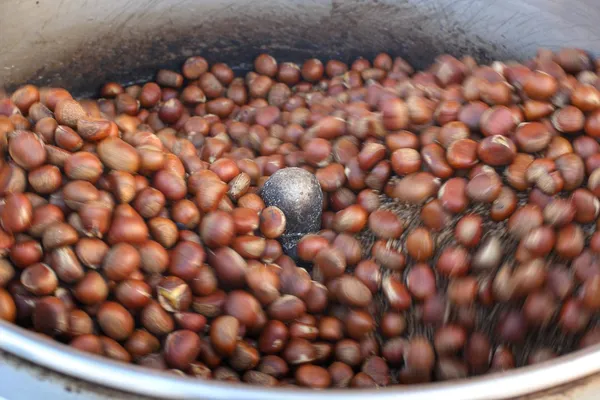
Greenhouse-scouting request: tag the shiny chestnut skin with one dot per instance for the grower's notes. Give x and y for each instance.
(302, 224)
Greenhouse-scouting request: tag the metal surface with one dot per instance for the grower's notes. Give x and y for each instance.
(127, 377)
(298, 194)
(79, 44)
(22, 380)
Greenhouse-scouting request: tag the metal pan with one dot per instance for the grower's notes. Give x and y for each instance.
(79, 44)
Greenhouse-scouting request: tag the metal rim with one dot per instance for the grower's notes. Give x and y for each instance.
(134, 379)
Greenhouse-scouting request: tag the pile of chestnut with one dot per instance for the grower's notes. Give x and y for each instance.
(459, 226)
